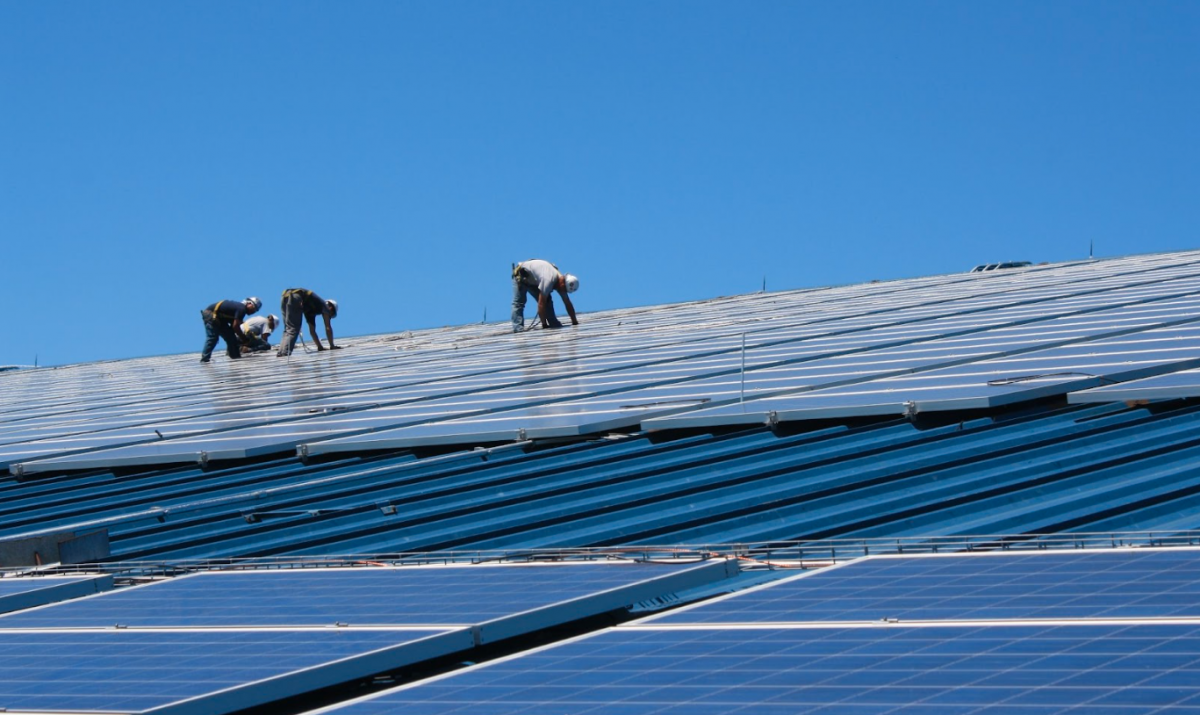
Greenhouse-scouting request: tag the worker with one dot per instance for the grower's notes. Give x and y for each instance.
(302, 304)
(255, 333)
(539, 278)
(223, 320)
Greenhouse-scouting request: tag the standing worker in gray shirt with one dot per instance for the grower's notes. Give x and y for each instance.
(539, 278)
(302, 304)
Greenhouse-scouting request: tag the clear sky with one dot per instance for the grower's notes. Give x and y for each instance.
(399, 156)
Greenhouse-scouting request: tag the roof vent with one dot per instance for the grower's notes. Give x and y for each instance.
(984, 268)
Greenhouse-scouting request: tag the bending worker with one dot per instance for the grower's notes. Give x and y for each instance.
(301, 303)
(255, 333)
(223, 320)
(539, 278)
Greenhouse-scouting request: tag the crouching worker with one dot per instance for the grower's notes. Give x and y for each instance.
(223, 320)
(301, 304)
(256, 333)
(539, 278)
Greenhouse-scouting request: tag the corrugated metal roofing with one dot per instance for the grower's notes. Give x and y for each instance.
(1074, 469)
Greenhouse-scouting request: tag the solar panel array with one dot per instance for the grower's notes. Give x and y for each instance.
(218, 642)
(994, 633)
(944, 342)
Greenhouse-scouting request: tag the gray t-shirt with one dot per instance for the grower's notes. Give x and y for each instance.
(258, 325)
(543, 273)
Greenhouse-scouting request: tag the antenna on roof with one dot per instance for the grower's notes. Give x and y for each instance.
(764, 290)
(485, 313)
(1091, 241)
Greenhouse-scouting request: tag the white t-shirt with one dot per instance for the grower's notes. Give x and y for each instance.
(258, 325)
(544, 274)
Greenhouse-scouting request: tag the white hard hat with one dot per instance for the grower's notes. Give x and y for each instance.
(572, 283)
(332, 308)
(254, 302)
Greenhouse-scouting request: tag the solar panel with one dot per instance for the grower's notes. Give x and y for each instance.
(868, 670)
(208, 671)
(218, 642)
(1129, 650)
(1037, 585)
(369, 596)
(18, 592)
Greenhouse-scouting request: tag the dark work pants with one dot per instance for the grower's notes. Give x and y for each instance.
(292, 307)
(214, 329)
(254, 344)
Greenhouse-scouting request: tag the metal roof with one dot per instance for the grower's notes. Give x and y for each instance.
(962, 341)
(1074, 469)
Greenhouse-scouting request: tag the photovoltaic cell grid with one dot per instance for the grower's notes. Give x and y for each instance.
(132, 671)
(766, 651)
(10, 586)
(478, 383)
(29, 591)
(219, 642)
(1037, 585)
(409, 596)
(1002, 670)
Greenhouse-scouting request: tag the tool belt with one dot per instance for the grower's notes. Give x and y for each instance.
(520, 273)
(212, 316)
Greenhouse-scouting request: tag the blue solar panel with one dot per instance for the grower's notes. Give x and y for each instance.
(132, 671)
(18, 593)
(1044, 585)
(358, 597)
(871, 670)
(10, 586)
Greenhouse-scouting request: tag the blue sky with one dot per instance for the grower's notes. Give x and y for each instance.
(399, 156)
